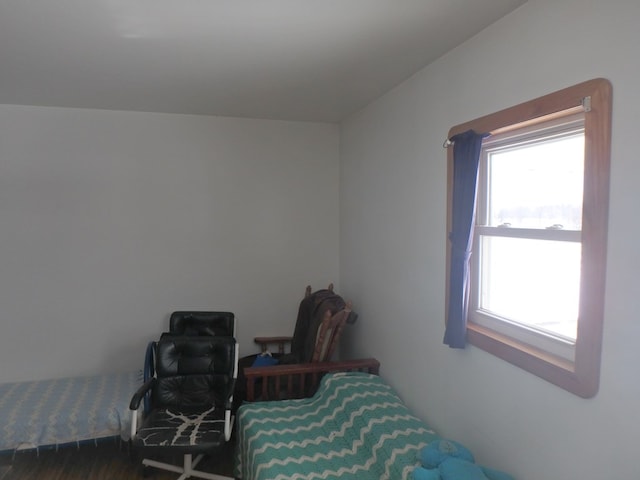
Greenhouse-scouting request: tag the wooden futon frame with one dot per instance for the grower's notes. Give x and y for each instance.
(301, 380)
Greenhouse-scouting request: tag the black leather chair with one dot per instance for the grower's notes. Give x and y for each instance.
(190, 399)
(197, 323)
(191, 323)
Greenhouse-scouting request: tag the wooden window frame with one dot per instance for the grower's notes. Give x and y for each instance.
(582, 375)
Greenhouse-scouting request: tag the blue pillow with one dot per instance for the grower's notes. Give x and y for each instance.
(264, 361)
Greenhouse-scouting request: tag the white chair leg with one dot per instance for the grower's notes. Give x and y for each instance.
(161, 465)
(187, 470)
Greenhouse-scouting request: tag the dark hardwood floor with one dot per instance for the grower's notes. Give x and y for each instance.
(108, 460)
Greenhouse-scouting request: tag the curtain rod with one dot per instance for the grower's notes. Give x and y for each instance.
(584, 106)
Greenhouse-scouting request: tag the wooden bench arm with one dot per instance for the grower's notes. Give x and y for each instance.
(264, 342)
(300, 379)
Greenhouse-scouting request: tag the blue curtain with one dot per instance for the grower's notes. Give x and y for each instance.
(466, 158)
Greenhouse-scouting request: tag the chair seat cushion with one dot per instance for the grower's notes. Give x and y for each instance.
(176, 429)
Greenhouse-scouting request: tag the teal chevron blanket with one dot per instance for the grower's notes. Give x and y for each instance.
(354, 427)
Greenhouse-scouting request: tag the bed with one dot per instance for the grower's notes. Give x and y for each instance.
(354, 427)
(68, 410)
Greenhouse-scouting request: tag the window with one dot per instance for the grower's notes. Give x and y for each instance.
(527, 236)
(537, 269)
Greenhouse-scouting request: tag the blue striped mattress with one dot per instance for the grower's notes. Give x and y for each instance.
(66, 410)
(354, 427)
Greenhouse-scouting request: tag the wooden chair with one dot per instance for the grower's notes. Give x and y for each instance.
(328, 332)
(322, 316)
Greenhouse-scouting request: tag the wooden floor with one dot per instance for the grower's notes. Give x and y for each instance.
(107, 461)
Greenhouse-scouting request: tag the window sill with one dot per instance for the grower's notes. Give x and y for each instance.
(556, 370)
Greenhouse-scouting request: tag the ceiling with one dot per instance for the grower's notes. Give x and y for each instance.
(301, 60)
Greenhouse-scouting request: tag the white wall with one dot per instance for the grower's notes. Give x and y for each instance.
(393, 184)
(111, 220)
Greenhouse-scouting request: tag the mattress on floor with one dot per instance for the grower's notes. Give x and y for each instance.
(66, 410)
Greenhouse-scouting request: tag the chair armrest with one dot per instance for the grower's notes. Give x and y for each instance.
(264, 342)
(300, 379)
(228, 397)
(140, 393)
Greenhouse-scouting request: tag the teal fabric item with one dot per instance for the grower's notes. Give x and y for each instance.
(423, 474)
(354, 428)
(496, 474)
(454, 468)
(449, 460)
(437, 452)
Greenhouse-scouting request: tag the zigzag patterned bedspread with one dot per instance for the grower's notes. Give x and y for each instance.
(354, 427)
(55, 412)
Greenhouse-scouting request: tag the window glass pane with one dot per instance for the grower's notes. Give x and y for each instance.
(533, 282)
(537, 185)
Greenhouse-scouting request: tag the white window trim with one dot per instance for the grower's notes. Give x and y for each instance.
(555, 344)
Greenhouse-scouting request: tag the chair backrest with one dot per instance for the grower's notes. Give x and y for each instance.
(329, 333)
(195, 323)
(321, 318)
(194, 372)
